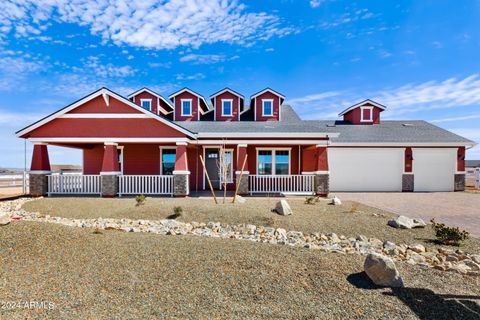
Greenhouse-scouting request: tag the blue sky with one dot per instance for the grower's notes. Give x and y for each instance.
(419, 58)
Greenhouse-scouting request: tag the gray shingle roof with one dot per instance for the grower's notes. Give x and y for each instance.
(408, 131)
(472, 163)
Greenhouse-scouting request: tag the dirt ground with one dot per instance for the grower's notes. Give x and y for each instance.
(118, 275)
(349, 219)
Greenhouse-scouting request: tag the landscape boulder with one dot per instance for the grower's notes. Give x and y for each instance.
(336, 201)
(4, 219)
(403, 222)
(240, 199)
(283, 208)
(382, 271)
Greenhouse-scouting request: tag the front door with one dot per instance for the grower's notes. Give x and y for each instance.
(212, 156)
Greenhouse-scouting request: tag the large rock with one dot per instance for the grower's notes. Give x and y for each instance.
(382, 271)
(403, 222)
(4, 219)
(283, 208)
(240, 199)
(336, 201)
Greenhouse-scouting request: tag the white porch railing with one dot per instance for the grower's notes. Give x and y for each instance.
(472, 178)
(74, 184)
(145, 184)
(281, 184)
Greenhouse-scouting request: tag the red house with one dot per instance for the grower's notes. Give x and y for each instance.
(147, 144)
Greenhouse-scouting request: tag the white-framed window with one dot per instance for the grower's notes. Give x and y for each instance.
(228, 174)
(267, 107)
(146, 104)
(120, 158)
(366, 114)
(186, 105)
(273, 161)
(227, 107)
(167, 160)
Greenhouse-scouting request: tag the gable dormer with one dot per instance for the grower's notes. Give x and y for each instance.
(152, 101)
(188, 105)
(365, 112)
(266, 105)
(227, 105)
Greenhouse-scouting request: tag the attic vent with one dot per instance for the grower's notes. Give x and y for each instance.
(408, 124)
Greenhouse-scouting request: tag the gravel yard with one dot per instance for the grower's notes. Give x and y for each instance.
(138, 275)
(321, 217)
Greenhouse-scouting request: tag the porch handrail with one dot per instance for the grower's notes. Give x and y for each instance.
(281, 183)
(74, 184)
(145, 184)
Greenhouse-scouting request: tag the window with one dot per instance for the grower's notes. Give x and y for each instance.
(120, 158)
(168, 161)
(366, 114)
(146, 104)
(227, 107)
(273, 162)
(228, 173)
(267, 107)
(186, 107)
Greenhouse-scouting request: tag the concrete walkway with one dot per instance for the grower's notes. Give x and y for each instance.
(459, 209)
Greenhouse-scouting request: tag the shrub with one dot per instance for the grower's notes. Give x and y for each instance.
(312, 200)
(177, 212)
(449, 235)
(97, 231)
(140, 199)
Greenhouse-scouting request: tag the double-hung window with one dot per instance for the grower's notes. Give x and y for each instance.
(267, 107)
(146, 104)
(366, 114)
(168, 161)
(227, 107)
(273, 162)
(186, 105)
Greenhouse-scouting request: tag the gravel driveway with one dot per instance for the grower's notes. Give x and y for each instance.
(453, 208)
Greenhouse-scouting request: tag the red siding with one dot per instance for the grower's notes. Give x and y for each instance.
(408, 160)
(40, 160)
(354, 116)
(141, 159)
(112, 128)
(146, 95)
(218, 107)
(97, 105)
(178, 107)
(92, 160)
(276, 106)
(461, 159)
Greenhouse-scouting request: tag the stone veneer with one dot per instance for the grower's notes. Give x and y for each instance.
(408, 182)
(243, 187)
(180, 185)
(322, 184)
(459, 182)
(38, 184)
(109, 185)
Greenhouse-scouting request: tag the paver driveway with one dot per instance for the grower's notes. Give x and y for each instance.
(460, 209)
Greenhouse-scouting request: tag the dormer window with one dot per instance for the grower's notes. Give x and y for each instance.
(186, 107)
(146, 104)
(267, 107)
(366, 114)
(227, 107)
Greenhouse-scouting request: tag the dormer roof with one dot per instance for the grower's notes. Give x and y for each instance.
(159, 96)
(227, 90)
(281, 96)
(367, 101)
(207, 107)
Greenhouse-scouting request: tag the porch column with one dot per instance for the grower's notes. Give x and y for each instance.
(460, 174)
(39, 170)
(408, 179)
(110, 170)
(180, 173)
(241, 156)
(322, 175)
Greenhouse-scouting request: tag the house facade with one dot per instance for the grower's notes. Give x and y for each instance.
(148, 144)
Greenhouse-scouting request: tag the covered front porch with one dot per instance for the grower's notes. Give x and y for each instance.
(175, 168)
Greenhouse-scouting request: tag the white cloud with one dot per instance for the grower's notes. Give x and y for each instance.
(472, 134)
(150, 24)
(196, 76)
(315, 3)
(14, 70)
(206, 58)
(460, 118)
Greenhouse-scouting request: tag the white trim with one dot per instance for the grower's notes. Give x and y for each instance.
(111, 144)
(267, 90)
(231, 107)
(181, 143)
(238, 110)
(39, 171)
(103, 140)
(121, 163)
(104, 115)
(110, 173)
(315, 172)
(147, 100)
(227, 90)
(263, 108)
(93, 96)
(376, 104)
(460, 172)
(181, 172)
(267, 134)
(161, 156)
(273, 160)
(181, 107)
(244, 172)
(106, 98)
(404, 172)
(400, 144)
(371, 114)
(259, 142)
(40, 143)
(242, 145)
(133, 95)
(173, 95)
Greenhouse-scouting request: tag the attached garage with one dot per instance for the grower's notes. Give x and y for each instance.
(434, 169)
(366, 169)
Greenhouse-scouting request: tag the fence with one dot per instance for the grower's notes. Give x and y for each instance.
(74, 184)
(281, 184)
(14, 184)
(472, 178)
(145, 184)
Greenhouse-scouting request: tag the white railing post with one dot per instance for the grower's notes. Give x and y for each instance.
(281, 184)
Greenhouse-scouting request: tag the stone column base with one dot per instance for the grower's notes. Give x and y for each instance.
(408, 183)
(109, 185)
(38, 184)
(321, 184)
(181, 185)
(459, 182)
(243, 187)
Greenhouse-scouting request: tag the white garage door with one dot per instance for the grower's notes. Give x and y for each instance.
(434, 169)
(366, 169)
